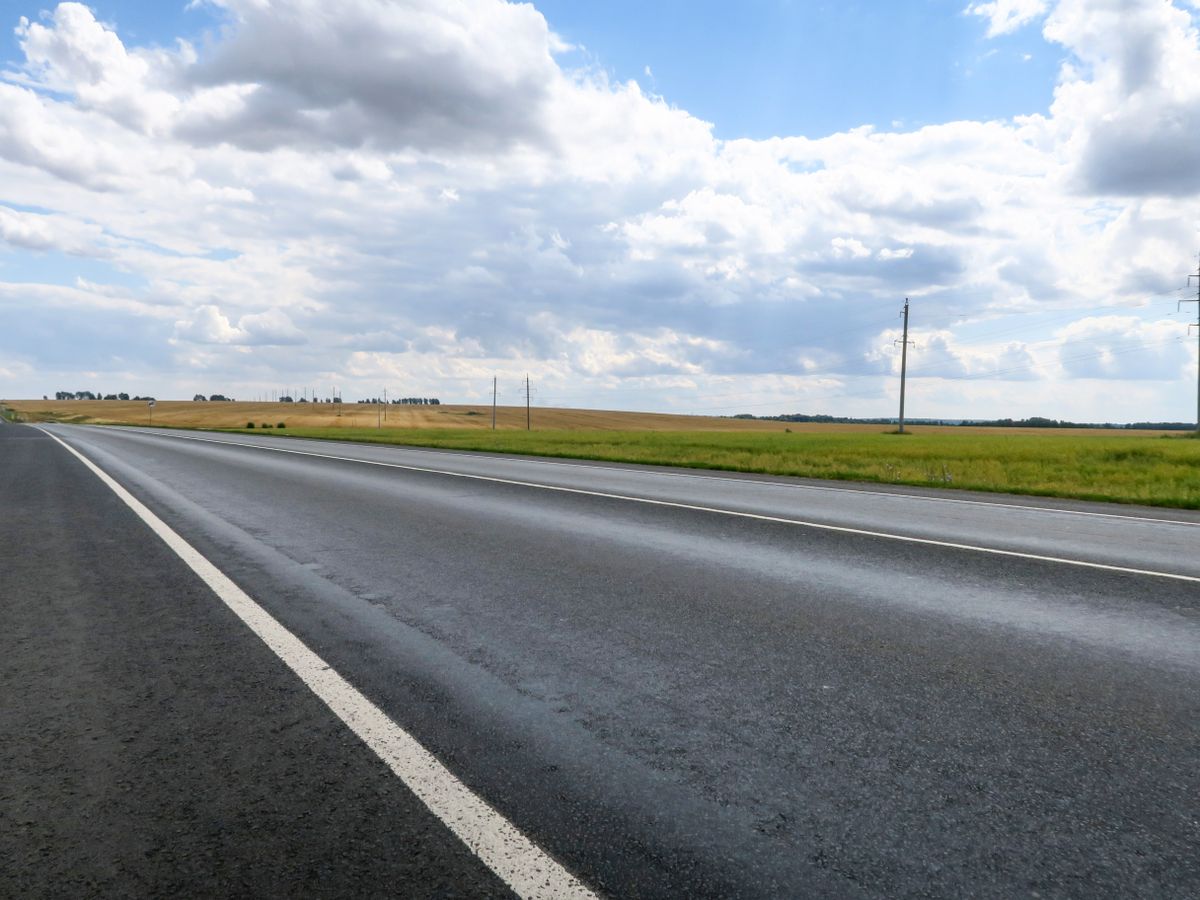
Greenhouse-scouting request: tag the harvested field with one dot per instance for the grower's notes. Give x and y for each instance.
(189, 414)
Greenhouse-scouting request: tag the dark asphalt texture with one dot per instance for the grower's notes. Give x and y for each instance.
(151, 745)
(672, 702)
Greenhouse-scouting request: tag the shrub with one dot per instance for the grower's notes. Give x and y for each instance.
(249, 424)
(281, 425)
(264, 425)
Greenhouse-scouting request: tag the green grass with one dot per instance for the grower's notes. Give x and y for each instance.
(1154, 470)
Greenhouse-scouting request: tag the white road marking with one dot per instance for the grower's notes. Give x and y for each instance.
(522, 865)
(706, 476)
(782, 520)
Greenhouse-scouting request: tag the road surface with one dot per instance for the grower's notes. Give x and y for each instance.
(675, 684)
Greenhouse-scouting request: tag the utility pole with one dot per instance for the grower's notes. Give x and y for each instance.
(1197, 302)
(527, 426)
(378, 414)
(493, 403)
(385, 404)
(903, 363)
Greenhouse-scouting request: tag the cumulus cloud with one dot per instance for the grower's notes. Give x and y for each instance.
(1006, 16)
(74, 52)
(208, 325)
(941, 355)
(1124, 348)
(422, 73)
(1130, 105)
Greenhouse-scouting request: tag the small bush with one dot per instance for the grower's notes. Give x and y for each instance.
(281, 425)
(264, 425)
(249, 424)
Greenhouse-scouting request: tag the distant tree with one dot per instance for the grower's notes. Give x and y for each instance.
(215, 398)
(286, 399)
(110, 397)
(199, 398)
(122, 396)
(418, 401)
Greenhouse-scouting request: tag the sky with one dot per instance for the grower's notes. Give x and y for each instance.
(691, 206)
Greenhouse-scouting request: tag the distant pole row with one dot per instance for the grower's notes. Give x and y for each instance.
(528, 402)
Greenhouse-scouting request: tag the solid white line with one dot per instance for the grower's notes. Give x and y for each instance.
(522, 865)
(868, 492)
(821, 526)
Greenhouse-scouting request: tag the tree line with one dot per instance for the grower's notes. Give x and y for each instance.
(97, 395)
(218, 398)
(93, 395)
(1039, 422)
(1031, 422)
(406, 401)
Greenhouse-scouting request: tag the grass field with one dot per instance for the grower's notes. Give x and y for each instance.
(1119, 466)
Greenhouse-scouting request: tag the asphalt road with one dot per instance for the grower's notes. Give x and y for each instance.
(676, 684)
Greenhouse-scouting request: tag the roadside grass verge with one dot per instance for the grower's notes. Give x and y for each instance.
(1153, 470)
(48, 416)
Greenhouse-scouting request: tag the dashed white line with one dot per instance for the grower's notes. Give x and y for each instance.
(782, 520)
(520, 863)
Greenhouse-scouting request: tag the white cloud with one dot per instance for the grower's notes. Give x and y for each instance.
(1125, 347)
(1006, 16)
(1128, 114)
(33, 231)
(471, 76)
(75, 53)
(208, 325)
(849, 248)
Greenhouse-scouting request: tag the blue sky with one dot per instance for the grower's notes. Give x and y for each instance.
(759, 68)
(418, 195)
